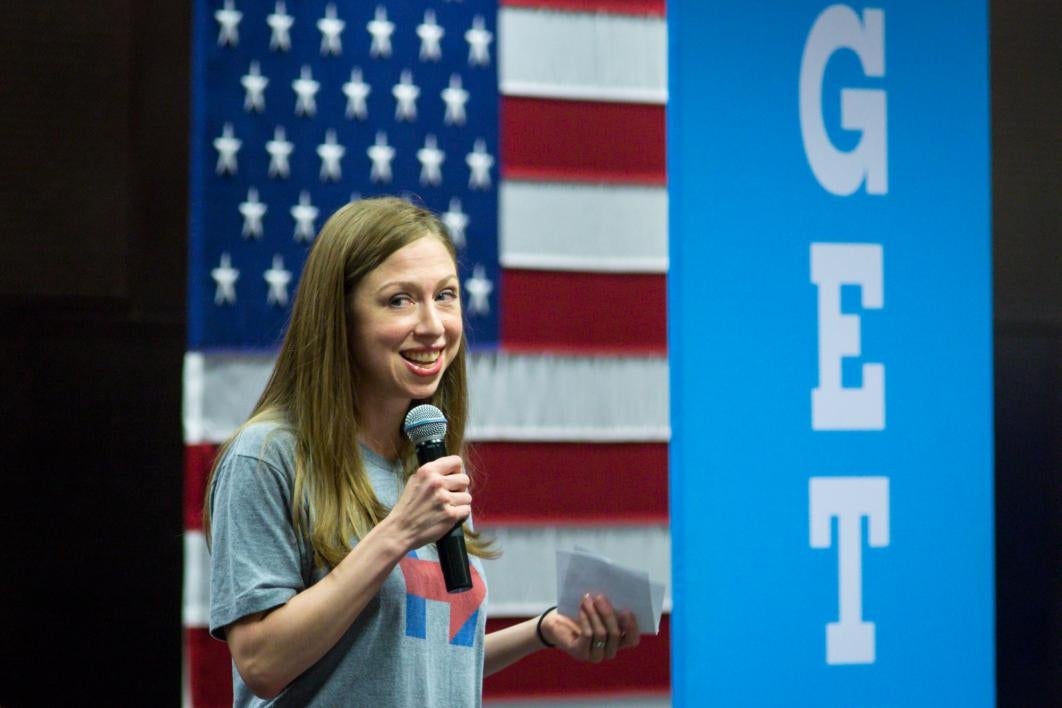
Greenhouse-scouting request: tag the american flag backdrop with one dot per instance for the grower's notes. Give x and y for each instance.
(535, 128)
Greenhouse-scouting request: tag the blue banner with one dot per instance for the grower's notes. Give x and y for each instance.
(830, 351)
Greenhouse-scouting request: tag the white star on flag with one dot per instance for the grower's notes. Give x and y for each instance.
(456, 222)
(431, 159)
(380, 29)
(478, 288)
(356, 92)
(227, 145)
(304, 213)
(405, 93)
(278, 279)
(330, 153)
(254, 84)
(331, 27)
(479, 162)
(479, 39)
(381, 155)
(229, 20)
(279, 149)
(280, 22)
(305, 91)
(430, 33)
(252, 212)
(455, 98)
(225, 276)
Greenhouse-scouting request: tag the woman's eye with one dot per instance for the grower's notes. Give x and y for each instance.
(448, 294)
(399, 300)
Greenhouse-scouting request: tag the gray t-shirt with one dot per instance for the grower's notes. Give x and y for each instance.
(414, 644)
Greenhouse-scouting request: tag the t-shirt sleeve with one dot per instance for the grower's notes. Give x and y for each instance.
(255, 562)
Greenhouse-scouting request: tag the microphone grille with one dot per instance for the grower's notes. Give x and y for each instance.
(425, 422)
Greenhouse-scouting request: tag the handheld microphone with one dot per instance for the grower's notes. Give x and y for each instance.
(425, 427)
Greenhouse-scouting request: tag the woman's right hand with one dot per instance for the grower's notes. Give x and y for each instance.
(435, 499)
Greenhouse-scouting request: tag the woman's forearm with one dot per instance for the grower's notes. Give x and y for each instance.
(509, 645)
(273, 648)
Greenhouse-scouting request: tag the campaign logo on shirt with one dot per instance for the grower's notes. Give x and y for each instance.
(424, 581)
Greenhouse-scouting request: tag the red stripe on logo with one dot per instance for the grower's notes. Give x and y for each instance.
(424, 578)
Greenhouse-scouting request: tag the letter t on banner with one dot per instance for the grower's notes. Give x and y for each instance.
(850, 640)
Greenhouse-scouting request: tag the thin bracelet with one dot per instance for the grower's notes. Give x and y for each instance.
(538, 627)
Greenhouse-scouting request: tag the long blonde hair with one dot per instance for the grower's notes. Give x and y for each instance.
(313, 388)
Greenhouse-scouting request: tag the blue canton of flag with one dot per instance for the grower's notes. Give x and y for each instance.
(301, 107)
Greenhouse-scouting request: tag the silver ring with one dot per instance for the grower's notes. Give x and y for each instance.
(599, 645)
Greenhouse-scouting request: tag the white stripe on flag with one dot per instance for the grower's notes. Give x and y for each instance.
(583, 227)
(521, 583)
(568, 398)
(196, 610)
(585, 56)
(524, 580)
(512, 397)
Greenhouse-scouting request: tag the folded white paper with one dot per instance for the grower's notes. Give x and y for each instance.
(582, 571)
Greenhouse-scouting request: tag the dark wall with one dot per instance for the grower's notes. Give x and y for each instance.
(93, 198)
(93, 201)
(1027, 274)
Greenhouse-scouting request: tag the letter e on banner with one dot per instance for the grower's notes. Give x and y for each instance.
(834, 407)
(841, 173)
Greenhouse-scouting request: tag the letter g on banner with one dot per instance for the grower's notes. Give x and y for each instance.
(839, 172)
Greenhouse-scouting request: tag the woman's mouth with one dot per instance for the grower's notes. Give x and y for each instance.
(424, 363)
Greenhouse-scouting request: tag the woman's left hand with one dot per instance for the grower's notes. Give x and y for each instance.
(596, 635)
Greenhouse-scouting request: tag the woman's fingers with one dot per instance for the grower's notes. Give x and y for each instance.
(608, 617)
(436, 498)
(450, 471)
(630, 635)
(586, 632)
(599, 632)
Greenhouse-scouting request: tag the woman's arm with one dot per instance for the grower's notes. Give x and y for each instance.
(597, 635)
(272, 648)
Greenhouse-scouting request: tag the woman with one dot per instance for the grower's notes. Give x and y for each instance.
(322, 523)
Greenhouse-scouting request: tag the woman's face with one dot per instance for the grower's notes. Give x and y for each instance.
(406, 324)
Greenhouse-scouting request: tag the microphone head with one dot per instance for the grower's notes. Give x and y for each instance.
(423, 423)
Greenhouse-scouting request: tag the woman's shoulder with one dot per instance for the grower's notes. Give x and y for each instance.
(271, 441)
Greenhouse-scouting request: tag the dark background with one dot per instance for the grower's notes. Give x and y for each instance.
(93, 194)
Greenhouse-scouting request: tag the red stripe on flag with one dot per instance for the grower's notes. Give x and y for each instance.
(550, 139)
(584, 312)
(528, 482)
(645, 669)
(570, 483)
(642, 670)
(209, 669)
(198, 460)
(628, 7)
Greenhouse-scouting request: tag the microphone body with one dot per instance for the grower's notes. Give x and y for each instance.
(453, 556)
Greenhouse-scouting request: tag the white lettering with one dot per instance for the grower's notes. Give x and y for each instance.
(850, 640)
(834, 407)
(841, 173)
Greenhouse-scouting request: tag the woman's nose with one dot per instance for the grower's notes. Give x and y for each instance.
(430, 323)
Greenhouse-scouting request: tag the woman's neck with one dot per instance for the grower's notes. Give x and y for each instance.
(381, 427)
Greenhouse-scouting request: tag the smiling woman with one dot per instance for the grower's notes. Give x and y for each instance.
(322, 522)
(406, 328)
